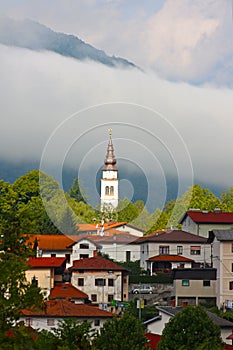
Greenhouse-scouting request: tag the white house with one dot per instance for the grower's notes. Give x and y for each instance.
(55, 311)
(174, 242)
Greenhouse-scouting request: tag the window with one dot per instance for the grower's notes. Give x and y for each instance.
(53, 255)
(111, 190)
(50, 322)
(93, 297)
(80, 282)
(164, 250)
(28, 322)
(179, 250)
(232, 247)
(83, 256)
(125, 280)
(110, 282)
(67, 258)
(195, 250)
(128, 255)
(100, 282)
(107, 190)
(206, 283)
(97, 323)
(185, 283)
(34, 281)
(231, 285)
(110, 298)
(84, 246)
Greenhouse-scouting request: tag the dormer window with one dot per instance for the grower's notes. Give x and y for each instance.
(84, 246)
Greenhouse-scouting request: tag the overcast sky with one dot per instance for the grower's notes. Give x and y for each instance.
(175, 115)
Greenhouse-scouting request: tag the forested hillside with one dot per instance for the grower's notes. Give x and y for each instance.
(39, 205)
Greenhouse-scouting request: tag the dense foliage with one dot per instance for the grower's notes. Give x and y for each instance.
(191, 329)
(42, 207)
(126, 333)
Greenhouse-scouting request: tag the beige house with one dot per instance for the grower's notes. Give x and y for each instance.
(222, 259)
(201, 222)
(194, 286)
(45, 272)
(101, 279)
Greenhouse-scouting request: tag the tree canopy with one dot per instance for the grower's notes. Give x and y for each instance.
(126, 333)
(191, 329)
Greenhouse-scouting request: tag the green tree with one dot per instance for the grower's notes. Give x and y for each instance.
(68, 225)
(74, 335)
(227, 200)
(191, 329)
(126, 333)
(127, 211)
(77, 191)
(15, 292)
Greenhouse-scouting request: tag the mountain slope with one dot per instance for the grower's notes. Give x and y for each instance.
(34, 36)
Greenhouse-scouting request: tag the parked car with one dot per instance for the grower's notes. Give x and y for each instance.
(142, 289)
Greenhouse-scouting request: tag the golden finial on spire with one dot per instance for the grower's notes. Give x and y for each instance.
(110, 131)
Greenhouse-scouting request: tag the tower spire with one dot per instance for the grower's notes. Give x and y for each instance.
(110, 160)
(109, 180)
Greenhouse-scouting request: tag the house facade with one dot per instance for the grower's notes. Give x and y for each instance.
(174, 242)
(119, 246)
(166, 263)
(222, 260)
(101, 279)
(45, 272)
(201, 222)
(55, 311)
(194, 286)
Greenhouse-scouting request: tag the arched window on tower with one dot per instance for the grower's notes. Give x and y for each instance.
(111, 190)
(107, 190)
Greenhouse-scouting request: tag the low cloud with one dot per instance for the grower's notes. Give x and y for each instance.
(59, 109)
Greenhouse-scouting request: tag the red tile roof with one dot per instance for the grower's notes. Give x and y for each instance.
(209, 217)
(66, 291)
(171, 258)
(96, 263)
(65, 308)
(52, 242)
(172, 236)
(45, 262)
(153, 340)
(228, 347)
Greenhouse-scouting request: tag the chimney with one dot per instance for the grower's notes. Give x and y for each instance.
(95, 253)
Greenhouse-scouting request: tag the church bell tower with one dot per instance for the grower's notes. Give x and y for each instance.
(109, 181)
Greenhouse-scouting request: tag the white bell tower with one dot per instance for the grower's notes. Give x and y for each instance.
(109, 181)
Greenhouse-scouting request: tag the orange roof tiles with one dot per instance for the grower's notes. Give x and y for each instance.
(45, 262)
(96, 263)
(65, 308)
(52, 242)
(171, 258)
(95, 227)
(66, 291)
